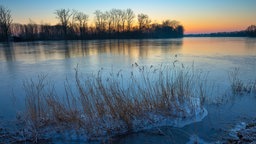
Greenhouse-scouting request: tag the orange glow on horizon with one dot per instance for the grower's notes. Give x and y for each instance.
(202, 16)
(190, 27)
(212, 27)
(193, 24)
(197, 29)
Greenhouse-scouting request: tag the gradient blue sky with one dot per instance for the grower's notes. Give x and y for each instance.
(197, 16)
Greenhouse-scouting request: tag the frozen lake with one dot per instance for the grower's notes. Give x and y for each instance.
(215, 56)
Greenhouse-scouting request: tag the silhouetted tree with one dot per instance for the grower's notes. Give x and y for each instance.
(130, 16)
(5, 23)
(46, 32)
(180, 31)
(100, 20)
(251, 31)
(112, 24)
(82, 20)
(15, 29)
(63, 15)
(31, 31)
(143, 21)
(117, 14)
(174, 24)
(109, 20)
(123, 18)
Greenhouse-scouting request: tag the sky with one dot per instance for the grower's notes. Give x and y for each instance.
(197, 16)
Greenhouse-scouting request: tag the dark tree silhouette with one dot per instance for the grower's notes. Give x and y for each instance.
(112, 24)
(5, 23)
(130, 16)
(100, 21)
(31, 31)
(174, 27)
(109, 21)
(63, 15)
(143, 21)
(180, 31)
(123, 18)
(117, 19)
(82, 19)
(251, 31)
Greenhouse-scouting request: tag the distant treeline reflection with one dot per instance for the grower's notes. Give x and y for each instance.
(41, 50)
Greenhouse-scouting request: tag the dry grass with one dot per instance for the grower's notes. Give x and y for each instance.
(107, 104)
(238, 86)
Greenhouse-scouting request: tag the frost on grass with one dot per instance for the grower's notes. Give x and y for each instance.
(105, 104)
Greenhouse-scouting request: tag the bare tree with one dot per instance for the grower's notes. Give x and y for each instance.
(113, 13)
(16, 29)
(251, 31)
(130, 16)
(109, 19)
(174, 24)
(73, 25)
(100, 20)
(82, 19)
(5, 23)
(116, 17)
(31, 30)
(166, 23)
(63, 15)
(123, 18)
(143, 21)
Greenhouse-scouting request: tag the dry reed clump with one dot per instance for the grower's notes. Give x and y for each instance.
(238, 86)
(107, 103)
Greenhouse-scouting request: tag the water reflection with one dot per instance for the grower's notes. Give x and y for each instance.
(8, 52)
(219, 46)
(250, 44)
(57, 59)
(39, 51)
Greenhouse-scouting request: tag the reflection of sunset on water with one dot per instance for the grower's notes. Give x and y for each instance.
(216, 46)
(134, 49)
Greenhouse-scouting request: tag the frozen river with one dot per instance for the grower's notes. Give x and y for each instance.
(215, 56)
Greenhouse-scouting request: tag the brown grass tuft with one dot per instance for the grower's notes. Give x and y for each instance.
(106, 104)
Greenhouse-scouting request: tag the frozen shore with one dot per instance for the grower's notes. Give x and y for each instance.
(245, 134)
(22, 133)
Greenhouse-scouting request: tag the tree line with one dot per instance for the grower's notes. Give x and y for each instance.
(220, 34)
(248, 32)
(73, 25)
(112, 24)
